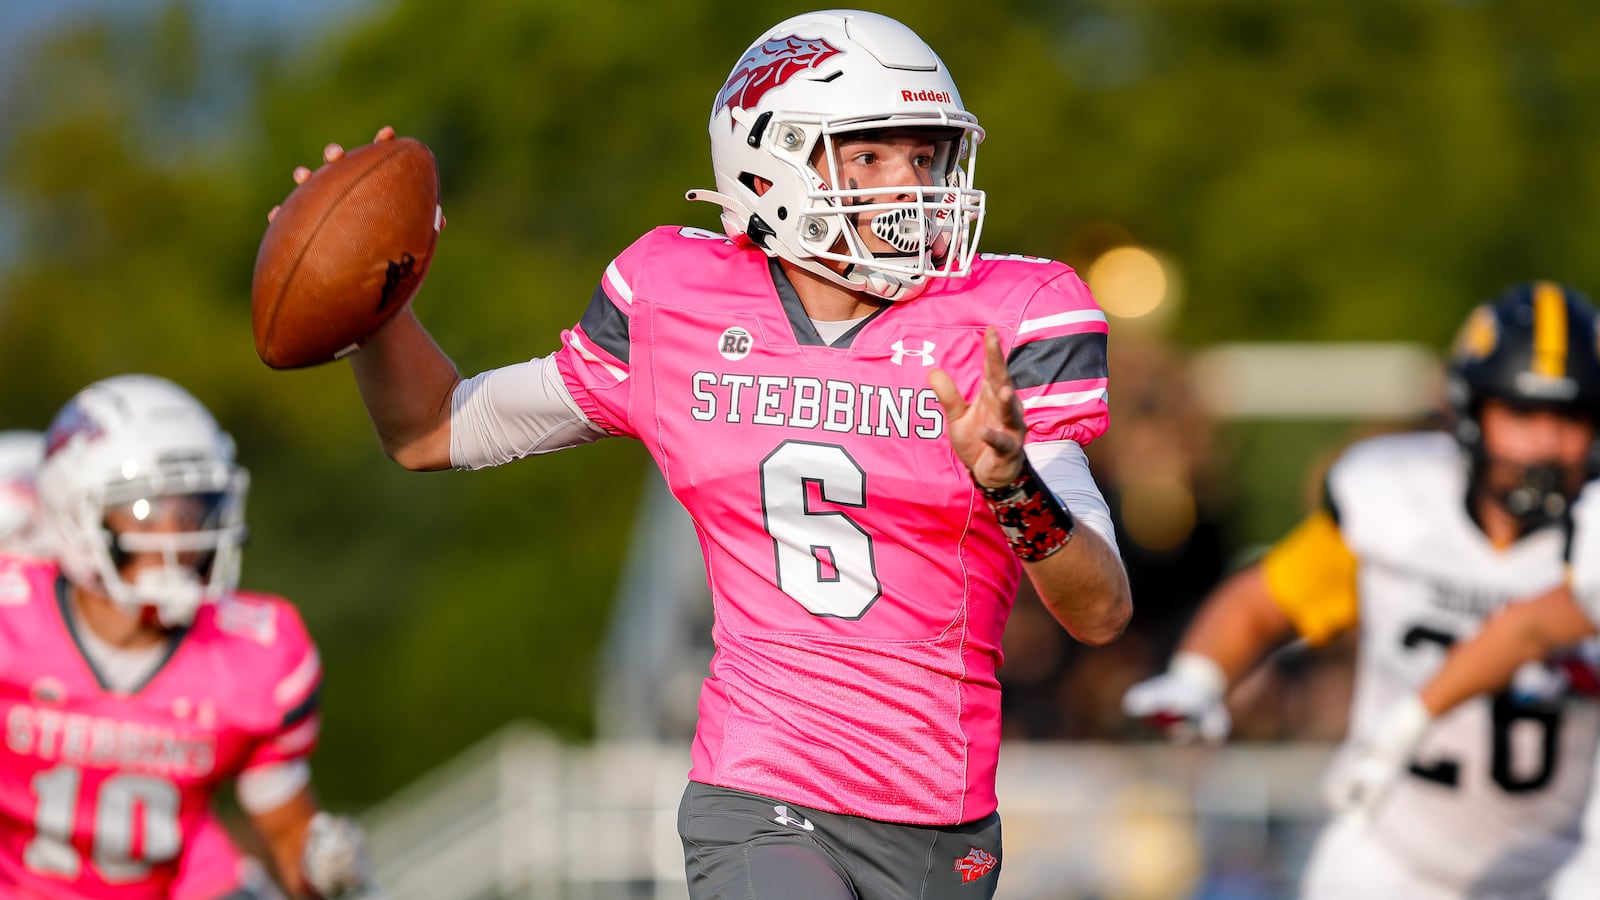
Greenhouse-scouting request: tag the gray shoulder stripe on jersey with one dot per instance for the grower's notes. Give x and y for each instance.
(606, 324)
(304, 708)
(1071, 357)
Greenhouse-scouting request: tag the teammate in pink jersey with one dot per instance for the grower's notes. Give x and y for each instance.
(211, 866)
(876, 431)
(135, 678)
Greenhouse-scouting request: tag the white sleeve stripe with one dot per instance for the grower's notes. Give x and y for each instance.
(586, 353)
(1070, 398)
(300, 737)
(614, 278)
(1064, 467)
(265, 788)
(1074, 317)
(294, 686)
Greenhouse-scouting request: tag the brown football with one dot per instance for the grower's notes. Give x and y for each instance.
(346, 251)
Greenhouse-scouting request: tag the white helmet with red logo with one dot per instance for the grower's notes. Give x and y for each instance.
(20, 454)
(823, 74)
(144, 447)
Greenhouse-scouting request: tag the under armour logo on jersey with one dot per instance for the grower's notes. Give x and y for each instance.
(783, 818)
(901, 351)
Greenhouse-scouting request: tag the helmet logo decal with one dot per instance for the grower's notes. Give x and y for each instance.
(769, 66)
(71, 422)
(1478, 336)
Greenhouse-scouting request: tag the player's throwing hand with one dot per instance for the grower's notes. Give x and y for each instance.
(330, 154)
(987, 433)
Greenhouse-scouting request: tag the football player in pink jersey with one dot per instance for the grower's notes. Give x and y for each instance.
(877, 432)
(135, 678)
(211, 867)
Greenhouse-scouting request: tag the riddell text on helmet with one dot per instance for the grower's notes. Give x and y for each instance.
(925, 96)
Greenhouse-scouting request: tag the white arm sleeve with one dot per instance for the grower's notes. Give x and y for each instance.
(265, 788)
(1063, 466)
(520, 410)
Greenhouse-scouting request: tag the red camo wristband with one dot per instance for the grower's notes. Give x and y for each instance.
(1035, 522)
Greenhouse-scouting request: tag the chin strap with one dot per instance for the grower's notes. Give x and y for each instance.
(175, 594)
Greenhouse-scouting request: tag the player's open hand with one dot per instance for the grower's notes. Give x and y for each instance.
(332, 154)
(987, 432)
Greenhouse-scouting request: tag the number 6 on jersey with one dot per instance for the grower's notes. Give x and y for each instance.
(824, 558)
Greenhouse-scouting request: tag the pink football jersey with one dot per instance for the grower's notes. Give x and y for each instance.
(100, 791)
(860, 582)
(210, 867)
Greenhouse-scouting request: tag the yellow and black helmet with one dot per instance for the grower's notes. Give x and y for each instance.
(1535, 344)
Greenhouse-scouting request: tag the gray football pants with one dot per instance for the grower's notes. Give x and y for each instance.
(749, 847)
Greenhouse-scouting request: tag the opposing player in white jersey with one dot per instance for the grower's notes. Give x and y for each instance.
(1511, 647)
(1424, 535)
(839, 390)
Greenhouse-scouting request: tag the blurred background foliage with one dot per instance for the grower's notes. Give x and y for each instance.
(1365, 170)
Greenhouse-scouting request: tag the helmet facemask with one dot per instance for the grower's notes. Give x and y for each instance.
(932, 233)
(190, 516)
(1534, 493)
(137, 471)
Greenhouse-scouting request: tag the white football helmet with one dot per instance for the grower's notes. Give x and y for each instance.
(20, 454)
(139, 445)
(814, 77)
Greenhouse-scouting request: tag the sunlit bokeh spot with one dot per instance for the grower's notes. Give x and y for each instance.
(1129, 282)
(1158, 512)
(1159, 856)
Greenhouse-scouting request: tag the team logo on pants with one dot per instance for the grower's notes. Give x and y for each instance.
(976, 864)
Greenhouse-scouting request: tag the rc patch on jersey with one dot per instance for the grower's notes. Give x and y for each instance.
(735, 344)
